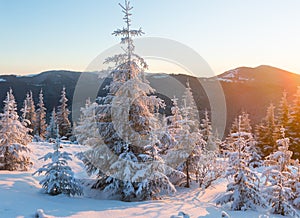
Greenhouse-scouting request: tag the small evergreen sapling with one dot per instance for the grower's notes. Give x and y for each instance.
(59, 177)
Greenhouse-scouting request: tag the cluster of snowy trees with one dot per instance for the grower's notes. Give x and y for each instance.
(13, 137)
(136, 152)
(35, 118)
(286, 116)
(256, 182)
(16, 132)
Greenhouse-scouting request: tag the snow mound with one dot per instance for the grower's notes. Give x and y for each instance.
(40, 214)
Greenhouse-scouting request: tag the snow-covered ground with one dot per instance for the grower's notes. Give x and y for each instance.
(21, 196)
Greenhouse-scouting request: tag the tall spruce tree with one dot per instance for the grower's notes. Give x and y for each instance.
(293, 126)
(283, 111)
(86, 131)
(63, 122)
(207, 134)
(267, 132)
(192, 110)
(13, 138)
(296, 184)
(41, 126)
(29, 113)
(174, 122)
(185, 154)
(52, 127)
(243, 191)
(127, 160)
(243, 124)
(278, 190)
(240, 124)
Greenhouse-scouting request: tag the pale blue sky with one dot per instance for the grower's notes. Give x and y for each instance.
(39, 35)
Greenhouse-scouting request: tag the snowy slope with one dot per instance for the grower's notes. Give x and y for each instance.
(20, 196)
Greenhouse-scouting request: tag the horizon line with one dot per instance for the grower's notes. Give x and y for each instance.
(149, 72)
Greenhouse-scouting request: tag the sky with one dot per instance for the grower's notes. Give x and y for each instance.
(40, 35)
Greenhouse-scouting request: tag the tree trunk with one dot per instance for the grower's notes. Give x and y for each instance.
(187, 174)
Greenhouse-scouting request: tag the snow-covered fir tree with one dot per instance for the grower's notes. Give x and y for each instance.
(13, 138)
(283, 111)
(218, 142)
(255, 159)
(52, 127)
(86, 131)
(24, 111)
(29, 113)
(62, 116)
(278, 189)
(207, 134)
(209, 168)
(244, 125)
(206, 128)
(296, 184)
(241, 123)
(173, 128)
(40, 126)
(127, 160)
(267, 132)
(243, 191)
(173, 121)
(59, 177)
(192, 110)
(187, 150)
(293, 126)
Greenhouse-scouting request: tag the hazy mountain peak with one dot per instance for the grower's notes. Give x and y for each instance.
(262, 73)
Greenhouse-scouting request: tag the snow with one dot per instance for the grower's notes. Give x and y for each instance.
(233, 76)
(21, 196)
(158, 75)
(28, 75)
(225, 80)
(2, 80)
(230, 74)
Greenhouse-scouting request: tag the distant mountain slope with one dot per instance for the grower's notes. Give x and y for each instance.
(253, 89)
(249, 89)
(51, 82)
(264, 74)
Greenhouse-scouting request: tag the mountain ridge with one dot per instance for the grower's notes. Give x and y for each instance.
(245, 88)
